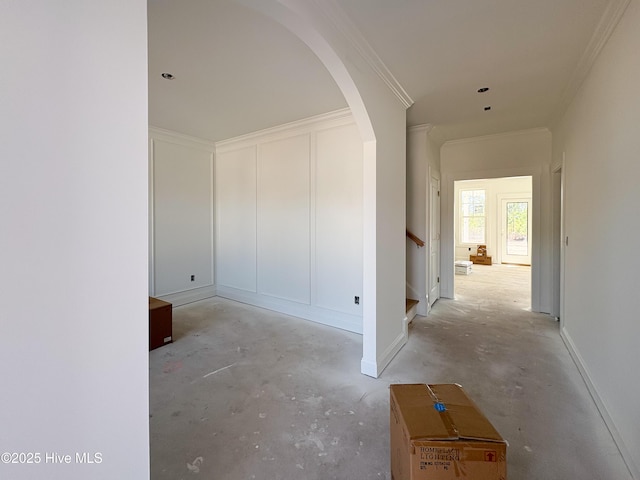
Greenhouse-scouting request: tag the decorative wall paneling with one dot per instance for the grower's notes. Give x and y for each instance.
(289, 220)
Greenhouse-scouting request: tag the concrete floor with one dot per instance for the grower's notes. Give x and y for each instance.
(245, 393)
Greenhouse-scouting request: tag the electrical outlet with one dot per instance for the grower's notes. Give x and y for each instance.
(356, 300)
(193, 278)
(469, 248)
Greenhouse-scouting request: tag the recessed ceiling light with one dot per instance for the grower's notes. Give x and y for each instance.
(487, 108)
(167, 76)
(483, 89)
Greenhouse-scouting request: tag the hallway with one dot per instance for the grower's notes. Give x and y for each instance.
(246, 393)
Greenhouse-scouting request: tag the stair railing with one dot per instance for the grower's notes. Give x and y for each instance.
(415, 239)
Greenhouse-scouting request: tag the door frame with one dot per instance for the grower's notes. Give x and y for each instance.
(447, 239)
(560, 252)
(432, 210)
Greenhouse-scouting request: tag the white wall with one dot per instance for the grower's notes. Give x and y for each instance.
(283, 218)
(338, 219)
(523, 153)
(423, 160)
(180, 217)
(289, 219)
(236, 198)
(385, 242)
(73, 247)
(495, 190)
(598, 136)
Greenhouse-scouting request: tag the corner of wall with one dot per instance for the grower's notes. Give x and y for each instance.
(375, 369)
(369, 368)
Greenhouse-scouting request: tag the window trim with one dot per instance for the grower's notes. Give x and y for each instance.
(462, 217)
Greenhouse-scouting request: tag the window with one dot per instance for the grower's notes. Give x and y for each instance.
(518, 228)
(472, 216)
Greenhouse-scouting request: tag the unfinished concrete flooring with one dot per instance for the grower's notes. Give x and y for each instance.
(245, 393)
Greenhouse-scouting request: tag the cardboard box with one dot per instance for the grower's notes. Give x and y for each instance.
(438, 433)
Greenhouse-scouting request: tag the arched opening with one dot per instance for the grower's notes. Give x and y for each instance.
(307, 32)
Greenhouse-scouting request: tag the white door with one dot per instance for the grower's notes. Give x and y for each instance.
(434, 240)
(516, 231)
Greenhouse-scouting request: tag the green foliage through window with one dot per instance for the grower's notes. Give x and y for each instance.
(517, 228)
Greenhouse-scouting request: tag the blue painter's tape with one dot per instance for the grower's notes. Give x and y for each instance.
(439, 406)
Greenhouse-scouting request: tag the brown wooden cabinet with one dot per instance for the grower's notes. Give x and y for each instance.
(160, 323)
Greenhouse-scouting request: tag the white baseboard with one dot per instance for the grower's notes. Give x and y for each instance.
(332, 318)
(189, 296)
(374, 370)
(584, 371)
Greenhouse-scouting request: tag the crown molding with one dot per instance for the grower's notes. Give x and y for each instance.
(606, 26)
(436, 134)
(345, 26)
(342, 116)
(425, 127)
(482, 138)
(431, 131)
(171, 135)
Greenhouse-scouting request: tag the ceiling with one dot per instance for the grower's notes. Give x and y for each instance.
(237, 71)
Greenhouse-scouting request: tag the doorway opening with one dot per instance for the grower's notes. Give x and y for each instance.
(493, 230)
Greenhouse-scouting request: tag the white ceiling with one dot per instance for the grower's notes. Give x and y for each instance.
(237, 71)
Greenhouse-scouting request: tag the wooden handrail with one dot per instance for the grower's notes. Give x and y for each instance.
(415, 239)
